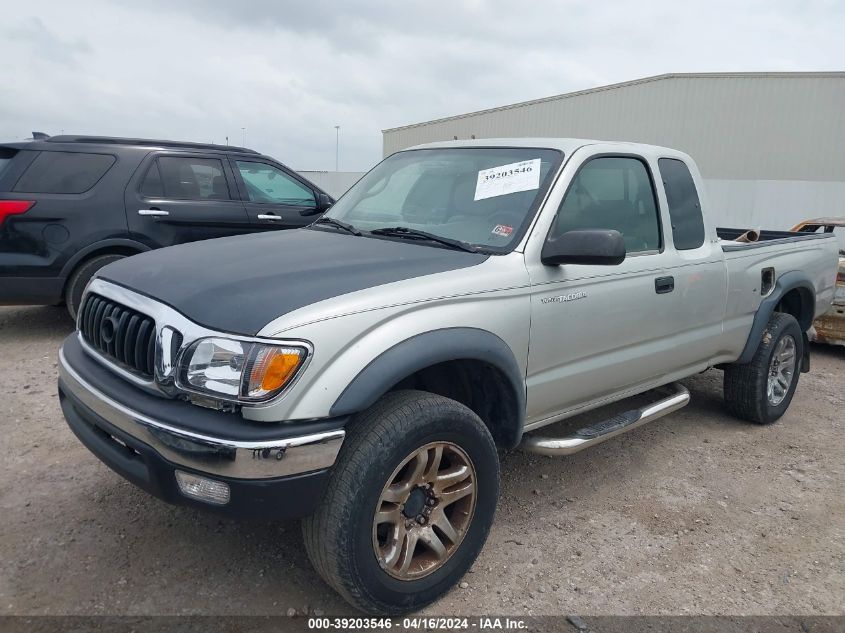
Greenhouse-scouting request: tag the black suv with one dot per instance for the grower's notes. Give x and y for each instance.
(69, 205)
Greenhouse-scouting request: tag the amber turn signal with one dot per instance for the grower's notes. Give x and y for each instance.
(272, 368)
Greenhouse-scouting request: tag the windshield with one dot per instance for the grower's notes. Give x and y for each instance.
(484, 197)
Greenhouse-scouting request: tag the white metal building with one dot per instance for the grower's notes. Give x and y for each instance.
(334, 183)
(770, 146)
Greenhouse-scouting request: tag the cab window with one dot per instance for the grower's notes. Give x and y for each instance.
(613, 193)
(684, 206)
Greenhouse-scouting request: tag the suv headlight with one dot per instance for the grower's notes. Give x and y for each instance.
(239, 370)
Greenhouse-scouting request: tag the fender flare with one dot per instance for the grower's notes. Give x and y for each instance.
(424, 350)
(102, 245)
(786, 282)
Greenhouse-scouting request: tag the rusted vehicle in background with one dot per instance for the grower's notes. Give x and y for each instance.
(830, 327)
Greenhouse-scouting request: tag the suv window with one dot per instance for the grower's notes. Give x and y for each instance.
(64, 172)
(684, 206)
(612, 193)
(265, 183)
(183, 178)
(6, 156)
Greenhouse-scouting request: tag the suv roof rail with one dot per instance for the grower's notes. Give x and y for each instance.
(145, 142)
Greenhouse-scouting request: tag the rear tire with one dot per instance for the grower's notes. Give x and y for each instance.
(760, 391)
(80, 278)
(388, 551)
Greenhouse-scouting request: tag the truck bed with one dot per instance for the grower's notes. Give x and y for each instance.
(767, 238)
(811, 256)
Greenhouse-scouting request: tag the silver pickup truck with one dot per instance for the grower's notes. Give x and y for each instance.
(362, 372)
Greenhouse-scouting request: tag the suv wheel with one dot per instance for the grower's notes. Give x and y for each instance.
(409, 503)
(760, 391)
(80, 278)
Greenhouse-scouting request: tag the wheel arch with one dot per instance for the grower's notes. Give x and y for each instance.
(116, 246)
(793, 294)
(470, 365)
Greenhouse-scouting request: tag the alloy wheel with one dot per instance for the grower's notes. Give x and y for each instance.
(424, 511)
(781, 370)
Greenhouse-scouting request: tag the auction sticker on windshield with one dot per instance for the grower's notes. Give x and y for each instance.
(500, 181)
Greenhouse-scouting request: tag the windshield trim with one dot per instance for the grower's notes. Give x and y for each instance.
(530, 214)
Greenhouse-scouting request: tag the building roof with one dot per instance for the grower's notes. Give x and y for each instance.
(633, 82)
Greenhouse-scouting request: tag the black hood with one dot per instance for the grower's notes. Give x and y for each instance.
(239, 284)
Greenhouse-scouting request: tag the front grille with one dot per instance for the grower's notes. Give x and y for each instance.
(120, 333)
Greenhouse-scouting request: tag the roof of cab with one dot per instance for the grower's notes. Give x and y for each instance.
(566, 145)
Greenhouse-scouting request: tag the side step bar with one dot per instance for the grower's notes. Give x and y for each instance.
(605, 429)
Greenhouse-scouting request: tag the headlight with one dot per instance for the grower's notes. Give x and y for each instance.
(239, 370)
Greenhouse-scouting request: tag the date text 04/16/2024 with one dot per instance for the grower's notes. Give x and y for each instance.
(419, 623)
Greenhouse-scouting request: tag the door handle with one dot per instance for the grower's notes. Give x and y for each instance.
(662, 285)
(154, 212)
(269, 216)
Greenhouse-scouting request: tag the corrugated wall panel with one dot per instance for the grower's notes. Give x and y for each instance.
(334, 183)
(770, 127)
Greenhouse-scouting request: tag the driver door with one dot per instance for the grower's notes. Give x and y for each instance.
(596, 330)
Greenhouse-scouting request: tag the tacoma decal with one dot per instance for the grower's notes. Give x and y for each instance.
(572, 296)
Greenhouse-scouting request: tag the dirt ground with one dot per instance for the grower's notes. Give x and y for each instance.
(696, 513)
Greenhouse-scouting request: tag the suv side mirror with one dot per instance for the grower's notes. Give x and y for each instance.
(324, 202)
(599, 247)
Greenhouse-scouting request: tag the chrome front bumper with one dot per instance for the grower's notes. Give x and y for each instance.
(215, 456)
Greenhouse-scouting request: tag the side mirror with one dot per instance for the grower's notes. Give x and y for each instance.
(324, 202)
(598, 247)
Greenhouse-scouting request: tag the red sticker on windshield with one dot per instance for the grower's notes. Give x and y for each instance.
(502, 230)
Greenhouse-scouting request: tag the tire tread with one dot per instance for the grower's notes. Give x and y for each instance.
(745, 384)
(326, 540)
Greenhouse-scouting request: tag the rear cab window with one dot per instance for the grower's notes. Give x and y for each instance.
(684, 205)
(64, 172)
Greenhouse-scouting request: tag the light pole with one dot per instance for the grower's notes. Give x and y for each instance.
(243, 137)
(337, 147)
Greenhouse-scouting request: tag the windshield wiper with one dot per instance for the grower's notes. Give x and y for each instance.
(337, 223)
(416, 234)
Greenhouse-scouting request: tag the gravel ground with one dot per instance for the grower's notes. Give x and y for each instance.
(696, 513)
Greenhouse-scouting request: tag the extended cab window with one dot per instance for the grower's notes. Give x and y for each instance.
(265, 183)
(64, 172)
(612, 193)
(182, 178)
(684, 206)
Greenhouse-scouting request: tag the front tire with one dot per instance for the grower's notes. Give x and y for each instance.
(409, 503)
(760, 391)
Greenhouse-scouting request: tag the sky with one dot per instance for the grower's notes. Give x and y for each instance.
(279, 76)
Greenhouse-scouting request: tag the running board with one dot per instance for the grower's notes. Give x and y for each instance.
(605, 429)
